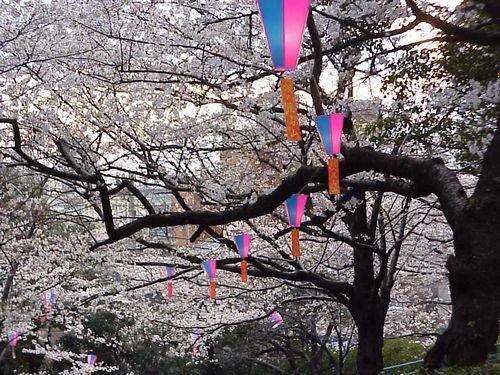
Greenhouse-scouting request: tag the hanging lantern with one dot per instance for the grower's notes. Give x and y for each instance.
(295, 206)
(91, 360)
(277, 319)
(290, 109)
(243, 245)
(195, 341)
(169, 273)
(48, 299)
(284, 22)
(12, 337)
(330, 132)
(210, 268)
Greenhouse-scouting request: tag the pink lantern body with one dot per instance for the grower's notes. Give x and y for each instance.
(284, 22)
(295, 206)
(49, 298)
(243, 244)
(91, 359)
(169, 271)
(210, 268)
(330, 131)
(12, 338)
(277, 319)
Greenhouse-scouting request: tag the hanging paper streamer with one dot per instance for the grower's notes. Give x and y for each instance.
(284, 23)
(169, 272)
(195, 342)
(277, 319)
(295, 206)
(290, 109)
(330, 132)
(243, 245)
(210, 268)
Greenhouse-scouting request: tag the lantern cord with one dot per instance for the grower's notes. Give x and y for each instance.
(212, 289)
(244, 271)
(295, 242)
(333, 176)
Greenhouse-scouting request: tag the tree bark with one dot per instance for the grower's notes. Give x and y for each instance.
(474, 273)
(370, 323)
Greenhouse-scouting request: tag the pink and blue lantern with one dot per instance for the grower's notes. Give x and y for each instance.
(169, 273)
(49, 298)
(91, 359)
(295, 206)
(210, 268)
(243, 245)
(330, 131)
(284, 23)
(277, 319)
(12, 337)
(195, 341)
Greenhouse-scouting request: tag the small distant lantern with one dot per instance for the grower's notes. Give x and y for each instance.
(169, 273)
(243, 245)
(284, 23)
(295, 206)
(12, 338)
(195, 341)
(330, 131)
(277, 319)
(91, 360)
(210, 268)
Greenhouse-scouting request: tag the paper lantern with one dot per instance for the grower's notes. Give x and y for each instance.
(330, 132)
(290, 109)
(195, 341)
(91, 359)
(284, 22)
(12, 337)
(210, 268)
(295, 206)
(170, 273)
(48, 299)
(277, 319)
(243, 245)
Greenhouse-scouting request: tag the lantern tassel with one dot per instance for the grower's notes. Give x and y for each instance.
(244, 271)
(212, 289)
(13, 353)
(295, 242)
(333, 176)
(170, 290)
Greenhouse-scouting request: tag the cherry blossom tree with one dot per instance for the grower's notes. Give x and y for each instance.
(116, 101)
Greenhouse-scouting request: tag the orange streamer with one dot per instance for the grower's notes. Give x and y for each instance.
(295, 243)
(333, 176)
(212, 289)
(290, 109)
(244, 271)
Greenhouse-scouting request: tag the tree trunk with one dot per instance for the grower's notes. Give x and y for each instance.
(370, 326)
(474, 273)
(475, 289)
